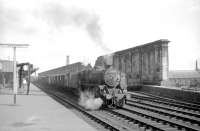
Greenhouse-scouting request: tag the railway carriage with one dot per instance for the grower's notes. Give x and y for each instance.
(108, 84)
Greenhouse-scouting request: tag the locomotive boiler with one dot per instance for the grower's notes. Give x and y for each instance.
(108, 84)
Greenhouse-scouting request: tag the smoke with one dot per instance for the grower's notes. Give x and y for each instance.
(8, 18)
(60, 16)
(104, 62)
(88, 101)
(108, 59)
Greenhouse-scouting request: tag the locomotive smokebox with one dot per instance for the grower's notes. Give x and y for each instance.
(112, 77)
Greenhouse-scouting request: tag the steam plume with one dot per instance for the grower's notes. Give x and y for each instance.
(88, 101)
(108, 59)
(60, 16)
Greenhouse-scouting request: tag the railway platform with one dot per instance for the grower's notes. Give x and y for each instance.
(37, 112)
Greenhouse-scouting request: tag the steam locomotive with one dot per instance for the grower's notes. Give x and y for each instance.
(108, 84)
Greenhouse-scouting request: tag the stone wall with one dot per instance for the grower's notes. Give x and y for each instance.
(183, 83)
(173, 93)
(145, 64)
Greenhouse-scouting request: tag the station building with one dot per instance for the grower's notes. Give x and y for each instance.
(184, 79)
(6, 73)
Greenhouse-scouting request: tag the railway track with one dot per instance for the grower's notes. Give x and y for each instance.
(162, 108)
(135, 117)
(189, 118)
(106, 122)
(170, 100)
(181, 122)
(193, 108)
(117, 122)
(66, 102)
(193, 105)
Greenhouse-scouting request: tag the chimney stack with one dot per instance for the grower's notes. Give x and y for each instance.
(67, 60)
(196, 66)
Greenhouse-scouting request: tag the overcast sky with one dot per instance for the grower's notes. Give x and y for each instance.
(85, 29)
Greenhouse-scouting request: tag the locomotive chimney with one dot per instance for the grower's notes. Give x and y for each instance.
(67, 60)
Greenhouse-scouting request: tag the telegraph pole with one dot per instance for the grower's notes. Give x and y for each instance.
(14, 46)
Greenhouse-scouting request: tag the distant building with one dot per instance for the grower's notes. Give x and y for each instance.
(6, 73)
(187, 79)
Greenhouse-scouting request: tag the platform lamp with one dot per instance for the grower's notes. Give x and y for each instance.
(14, 46)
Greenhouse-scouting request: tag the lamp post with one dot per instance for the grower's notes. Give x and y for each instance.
(14, 46)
